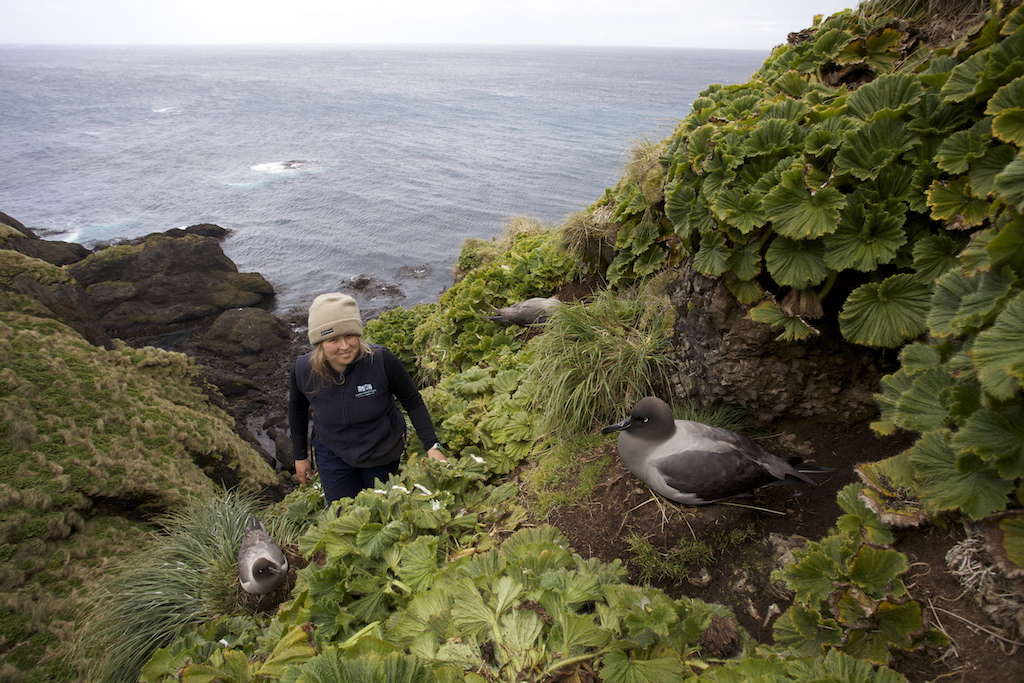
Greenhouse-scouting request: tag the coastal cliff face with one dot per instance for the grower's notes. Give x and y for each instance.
(97, 435)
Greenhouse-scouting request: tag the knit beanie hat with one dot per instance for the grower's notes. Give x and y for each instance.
(333, 315)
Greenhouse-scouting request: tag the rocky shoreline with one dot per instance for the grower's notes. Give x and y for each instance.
(176, 290)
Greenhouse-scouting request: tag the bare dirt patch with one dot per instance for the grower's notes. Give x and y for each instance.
(747, 545)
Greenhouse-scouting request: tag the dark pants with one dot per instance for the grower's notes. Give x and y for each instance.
(341, 480)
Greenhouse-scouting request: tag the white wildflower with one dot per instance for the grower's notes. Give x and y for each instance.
(399, 487)
(423, 488)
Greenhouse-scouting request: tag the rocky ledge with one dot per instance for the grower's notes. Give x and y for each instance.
(175, 290)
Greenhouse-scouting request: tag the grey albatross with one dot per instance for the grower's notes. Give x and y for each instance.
(262, 567)
(530, 312)
(696, 464)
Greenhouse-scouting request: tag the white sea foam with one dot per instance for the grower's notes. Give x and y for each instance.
(284, 167)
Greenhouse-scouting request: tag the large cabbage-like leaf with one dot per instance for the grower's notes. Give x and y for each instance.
(934, 255)
(1007, 246)
(772, 137)
(962, 147)
(791, 83)
(719, 166)
(963, 304)
(998, 437)
(930, 116)
(743, 105)
(868, 236)
(762, 174)
(886, 313)
(877, 571)
(740, 209)
(745, 291)
(827, 135)
(679, 200)
(1007, 105)
(745, 261)
(887, 96)
(1005, 59)
(1010, 183)
(419, 563)
(998, 353)
(830, 43)
(796, 263)
(893, 388)
(954, 201)
(788, 109)
(374, 538)
(712, 258)
(799, 213)
(947, 482)
(966, 80)
(617, 667)
(922, 407)
(873, 146)
(698, 146)
(985, 170)
(879, 51)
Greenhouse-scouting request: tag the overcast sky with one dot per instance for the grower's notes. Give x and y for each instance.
(742, 24)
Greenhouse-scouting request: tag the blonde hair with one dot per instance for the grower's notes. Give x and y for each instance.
(321, 369)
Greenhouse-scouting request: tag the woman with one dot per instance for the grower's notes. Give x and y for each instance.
(358, 430)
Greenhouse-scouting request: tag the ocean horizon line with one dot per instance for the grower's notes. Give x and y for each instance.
(386, 46)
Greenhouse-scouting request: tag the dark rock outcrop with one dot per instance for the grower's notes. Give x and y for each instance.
(725, 358)
(245, 332)
(166, 281)
(27, 243)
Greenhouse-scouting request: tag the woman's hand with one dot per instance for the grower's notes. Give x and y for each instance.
(436, 454)
(304, 470)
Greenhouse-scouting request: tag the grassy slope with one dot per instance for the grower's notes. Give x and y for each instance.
(90, 440)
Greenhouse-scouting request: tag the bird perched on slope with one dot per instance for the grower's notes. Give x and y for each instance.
(262, 567)
(696, 464)
(529, 312)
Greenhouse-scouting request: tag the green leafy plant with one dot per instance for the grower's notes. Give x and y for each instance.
(849, 594)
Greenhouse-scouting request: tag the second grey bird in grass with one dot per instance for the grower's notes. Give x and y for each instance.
(262, 567)
(529, 312)
(696, 464)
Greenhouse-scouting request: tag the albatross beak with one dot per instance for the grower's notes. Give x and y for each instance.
(617, 427)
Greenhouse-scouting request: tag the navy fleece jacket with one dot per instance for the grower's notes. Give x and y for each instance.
(357, 419)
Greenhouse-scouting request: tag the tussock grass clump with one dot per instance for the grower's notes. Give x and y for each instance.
(589, 237)
(598, 356)
(185, 577)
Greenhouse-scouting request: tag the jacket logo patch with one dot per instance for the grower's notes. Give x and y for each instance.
(364, 390)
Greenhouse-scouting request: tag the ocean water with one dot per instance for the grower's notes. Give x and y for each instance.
(331, 163)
